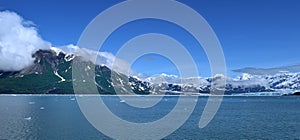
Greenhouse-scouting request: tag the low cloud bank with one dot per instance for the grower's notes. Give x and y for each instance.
(269, 71)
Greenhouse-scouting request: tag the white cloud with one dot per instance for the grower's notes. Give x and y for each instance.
(252, 81)
(100, 58)
(19, 39)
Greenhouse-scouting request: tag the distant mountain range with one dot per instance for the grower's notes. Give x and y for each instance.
(281, 83)
(51, 73)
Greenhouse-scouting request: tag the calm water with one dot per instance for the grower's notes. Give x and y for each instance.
(59, 117)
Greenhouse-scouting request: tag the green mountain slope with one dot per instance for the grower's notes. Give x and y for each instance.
(52, 74)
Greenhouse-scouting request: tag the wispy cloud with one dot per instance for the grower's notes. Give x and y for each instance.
(269, 71)
(100, 58)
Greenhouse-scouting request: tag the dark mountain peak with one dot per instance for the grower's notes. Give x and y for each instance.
(48, 56)
(44, 60)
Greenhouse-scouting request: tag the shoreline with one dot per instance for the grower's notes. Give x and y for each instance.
(91, 95)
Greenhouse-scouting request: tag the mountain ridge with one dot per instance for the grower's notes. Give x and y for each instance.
(51, 73)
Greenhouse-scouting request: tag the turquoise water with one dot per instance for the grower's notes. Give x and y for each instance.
(59, 117)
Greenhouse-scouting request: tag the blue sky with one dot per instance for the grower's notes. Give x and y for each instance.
(253, 33)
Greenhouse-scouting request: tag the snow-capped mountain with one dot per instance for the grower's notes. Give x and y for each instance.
(51, 73)
(284, 81)
(242, 84)
(281, 82)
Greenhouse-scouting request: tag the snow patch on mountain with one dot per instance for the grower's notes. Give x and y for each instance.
(62, 79)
